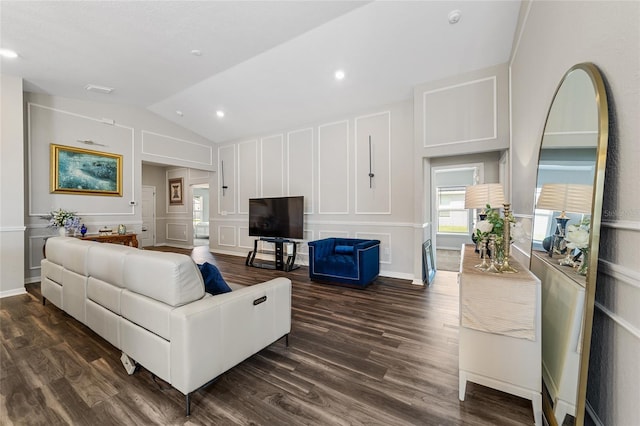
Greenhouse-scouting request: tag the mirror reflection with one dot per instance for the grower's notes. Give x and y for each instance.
(563, 230)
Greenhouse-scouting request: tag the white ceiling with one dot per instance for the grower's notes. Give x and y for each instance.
(268, 65)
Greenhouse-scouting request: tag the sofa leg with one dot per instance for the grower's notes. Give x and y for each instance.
(188, 404)
(286, 340)
(44, 301)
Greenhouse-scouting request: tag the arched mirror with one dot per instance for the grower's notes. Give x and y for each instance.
(566, 235)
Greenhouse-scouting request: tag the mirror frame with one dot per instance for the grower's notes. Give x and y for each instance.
(594, 232)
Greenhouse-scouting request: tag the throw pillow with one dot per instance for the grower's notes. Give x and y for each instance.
(343, 249)
(213, 281)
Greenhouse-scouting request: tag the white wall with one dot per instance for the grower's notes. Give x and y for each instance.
(328, 163)
(134, 133)
(11, 187)
(556, 36)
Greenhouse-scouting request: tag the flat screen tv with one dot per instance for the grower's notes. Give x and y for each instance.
(276, 217)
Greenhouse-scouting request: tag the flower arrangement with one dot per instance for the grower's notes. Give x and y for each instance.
(62, 218)
(578, 238)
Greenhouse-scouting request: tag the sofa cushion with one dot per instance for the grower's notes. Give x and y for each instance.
(343, 249)
(213, 281)
(170, 278)
(106, 262)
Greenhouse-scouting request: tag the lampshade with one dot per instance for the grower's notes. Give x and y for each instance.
(565, 197)
(478, 196)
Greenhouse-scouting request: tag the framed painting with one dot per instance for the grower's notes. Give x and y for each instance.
(428, 265)
(175, 192)
(85, 172)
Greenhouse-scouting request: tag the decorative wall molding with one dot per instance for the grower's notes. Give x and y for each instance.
(362, 223)
(332, 167)
(618, 320)
(425, 121)
(619, 273)
(223, 233)
(204, 149)
(229, 179)
(172, 229)
(329, 234)
(252, 169)
(309, 201)
(244, 231)
(34, 263)
(385, 244)
(14, 228)
(387, 209)
(271, 168)
(30, 162)
(627, 225)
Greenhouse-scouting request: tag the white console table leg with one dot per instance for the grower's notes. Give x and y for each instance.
(536, 402)
(462, 386)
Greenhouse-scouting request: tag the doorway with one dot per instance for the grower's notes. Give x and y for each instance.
(148, 235)
(200, 209)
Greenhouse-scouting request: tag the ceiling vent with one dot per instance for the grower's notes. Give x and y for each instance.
(98, 89)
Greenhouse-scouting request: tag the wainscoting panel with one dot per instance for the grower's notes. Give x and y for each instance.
(247, 174)
(244, 240)
(333, 171)
(227, 177)
(227, 236)
(35, 250)
(300, 166)
(464, 112)
(176, 231)
(164, 146)
(272, 166)
(336, 234)
(373, 155)
(385, 244)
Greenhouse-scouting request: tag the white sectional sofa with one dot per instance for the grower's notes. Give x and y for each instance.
(152, 306)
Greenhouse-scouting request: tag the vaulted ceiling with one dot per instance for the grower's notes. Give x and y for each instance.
(269, 65)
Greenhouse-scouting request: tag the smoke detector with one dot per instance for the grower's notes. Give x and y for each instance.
(98, 89)
(454, 16)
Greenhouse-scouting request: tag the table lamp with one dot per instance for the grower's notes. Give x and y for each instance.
(564, 197)
(478, 196)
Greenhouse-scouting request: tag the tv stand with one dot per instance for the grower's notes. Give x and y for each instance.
(283, 262)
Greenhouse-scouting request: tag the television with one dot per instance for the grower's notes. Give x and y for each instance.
(276, 217)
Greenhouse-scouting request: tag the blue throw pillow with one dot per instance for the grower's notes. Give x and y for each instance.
(213, 281)
(343, 249)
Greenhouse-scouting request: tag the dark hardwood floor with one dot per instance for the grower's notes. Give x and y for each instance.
(386, 355)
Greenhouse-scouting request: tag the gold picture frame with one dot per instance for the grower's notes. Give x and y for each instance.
(175, 192)
(85, 172)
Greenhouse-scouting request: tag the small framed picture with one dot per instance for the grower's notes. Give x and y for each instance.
(175, 192)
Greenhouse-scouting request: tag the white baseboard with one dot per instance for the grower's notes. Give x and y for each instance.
(15, 292)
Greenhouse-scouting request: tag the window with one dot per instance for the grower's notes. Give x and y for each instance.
(197, 208)
(453, 218)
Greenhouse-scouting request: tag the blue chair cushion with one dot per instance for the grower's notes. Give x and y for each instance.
(343, 249)
(213, 281)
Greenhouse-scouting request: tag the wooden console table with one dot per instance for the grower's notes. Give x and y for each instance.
(126, 239)
(500, 331)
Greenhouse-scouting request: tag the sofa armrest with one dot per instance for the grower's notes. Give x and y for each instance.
(213, 334)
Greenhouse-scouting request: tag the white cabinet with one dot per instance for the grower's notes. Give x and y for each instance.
(563, 293)
(500, 324)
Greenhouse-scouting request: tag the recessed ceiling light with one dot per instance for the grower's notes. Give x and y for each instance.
(7, 53)
(99, 89)
(339, 75)
(180, 113)
(196, 52)
(220, 113)
(454, 16)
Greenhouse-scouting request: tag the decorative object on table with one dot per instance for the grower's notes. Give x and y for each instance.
(105, 231)
(479, 197)
(83, 230)
(506, 240)
(492, 247)
(481, 233)
(578, 238)
(563, 197)
(82, 171)
(122, 229)
(65, 221)
(175, 192)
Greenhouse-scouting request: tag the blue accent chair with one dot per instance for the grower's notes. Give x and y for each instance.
(344, 260)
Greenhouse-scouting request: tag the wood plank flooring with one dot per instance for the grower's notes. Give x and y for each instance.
(386, 355)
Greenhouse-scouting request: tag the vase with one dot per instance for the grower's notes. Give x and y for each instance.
(584, 264)
(62, 231)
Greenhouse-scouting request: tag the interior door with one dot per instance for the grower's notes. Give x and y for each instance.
(148, 236)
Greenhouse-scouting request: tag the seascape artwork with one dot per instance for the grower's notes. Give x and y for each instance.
(84, 171)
